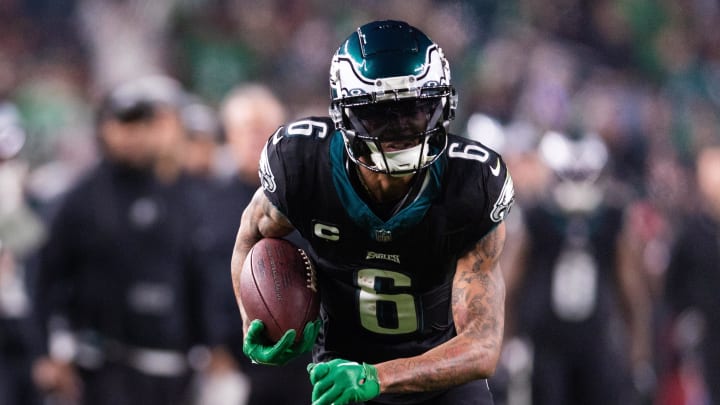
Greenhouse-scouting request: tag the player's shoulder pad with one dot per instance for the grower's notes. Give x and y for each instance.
(304, 129)
(293, 146)
(484, 170)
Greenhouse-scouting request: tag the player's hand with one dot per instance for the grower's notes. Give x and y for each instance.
(257, 348)
(339, 382)
(57, 377)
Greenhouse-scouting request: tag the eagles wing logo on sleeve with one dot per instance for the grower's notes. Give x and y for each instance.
(266, 176)
(504, 201)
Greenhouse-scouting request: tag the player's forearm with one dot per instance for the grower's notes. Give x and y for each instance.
(246, 238)
(256, 223)
(240, 252)
(635, 297)
(455, 362)
(260, 219)
(248, 234)
(478, 305)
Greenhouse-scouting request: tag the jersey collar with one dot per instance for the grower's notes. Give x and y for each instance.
(363, 216)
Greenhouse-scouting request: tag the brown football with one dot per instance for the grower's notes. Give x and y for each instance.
(277, 286)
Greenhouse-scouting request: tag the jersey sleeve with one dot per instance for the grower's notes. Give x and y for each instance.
(500, 189)
(272, 171)
(497, 185)
(484, 189)
(290, 162)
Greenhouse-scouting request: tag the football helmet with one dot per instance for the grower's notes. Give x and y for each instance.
(574, 157)
(578, 160)
(391, 97)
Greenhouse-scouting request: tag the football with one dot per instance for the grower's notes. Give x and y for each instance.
(277, 286)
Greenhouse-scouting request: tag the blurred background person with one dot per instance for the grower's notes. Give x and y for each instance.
(576, 292)
(691, 292)
(201, 152)
(21, 233)
(210, 170)
(119, 267)
(249, 113)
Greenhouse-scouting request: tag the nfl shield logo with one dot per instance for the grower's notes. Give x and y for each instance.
(383, 235)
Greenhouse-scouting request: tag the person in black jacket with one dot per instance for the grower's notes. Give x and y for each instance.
(692, 283)
(119, 268)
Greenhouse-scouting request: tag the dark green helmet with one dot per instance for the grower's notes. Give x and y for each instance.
(391, 97)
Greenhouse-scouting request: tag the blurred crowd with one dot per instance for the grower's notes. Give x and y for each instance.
(119, 118)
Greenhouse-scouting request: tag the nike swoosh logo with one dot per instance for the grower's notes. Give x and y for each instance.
(277, 137)
(496, 170)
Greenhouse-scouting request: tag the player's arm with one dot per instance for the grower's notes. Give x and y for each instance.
(260, 219)
(636, 303)
(478, 311)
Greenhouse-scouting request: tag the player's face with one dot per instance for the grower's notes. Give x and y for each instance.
(128, 143)
(140, 143)
(398, 125)
(708, 176)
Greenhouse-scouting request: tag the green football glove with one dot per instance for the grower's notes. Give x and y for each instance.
(257, 349)
(339, 382)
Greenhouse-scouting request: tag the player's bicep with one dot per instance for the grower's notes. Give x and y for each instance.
(261, 219)
(478, 300)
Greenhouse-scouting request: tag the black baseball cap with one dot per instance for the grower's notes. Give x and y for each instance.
(139, 99)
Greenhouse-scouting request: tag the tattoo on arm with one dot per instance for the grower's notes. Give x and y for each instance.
(479, 293)
(261, 219)
(478, 310)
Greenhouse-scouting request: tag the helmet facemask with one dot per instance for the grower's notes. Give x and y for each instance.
(578, 163)
(397, 138)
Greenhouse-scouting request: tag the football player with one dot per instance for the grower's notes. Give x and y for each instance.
(406, 226)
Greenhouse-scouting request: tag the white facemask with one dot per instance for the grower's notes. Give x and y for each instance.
(400, 160)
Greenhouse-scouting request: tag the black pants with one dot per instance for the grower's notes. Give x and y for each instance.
(16, 386)
(473, 393)
(117, 384)
(284, 385)
(593, 377)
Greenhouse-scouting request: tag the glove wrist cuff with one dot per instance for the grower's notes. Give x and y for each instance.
(370, 375)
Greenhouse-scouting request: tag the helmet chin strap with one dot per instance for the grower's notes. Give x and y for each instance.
(407, 161)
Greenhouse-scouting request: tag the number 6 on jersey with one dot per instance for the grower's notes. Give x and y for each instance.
(384, 312)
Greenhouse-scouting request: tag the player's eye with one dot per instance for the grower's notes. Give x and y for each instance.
(394, 110)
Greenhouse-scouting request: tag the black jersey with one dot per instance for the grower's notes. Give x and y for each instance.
(385, 285)
(693, 281)
(121, 261)
(571, 286)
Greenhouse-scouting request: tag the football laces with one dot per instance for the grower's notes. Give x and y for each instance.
(310, 273)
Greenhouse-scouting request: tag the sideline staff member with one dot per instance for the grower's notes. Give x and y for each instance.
(120, 263)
